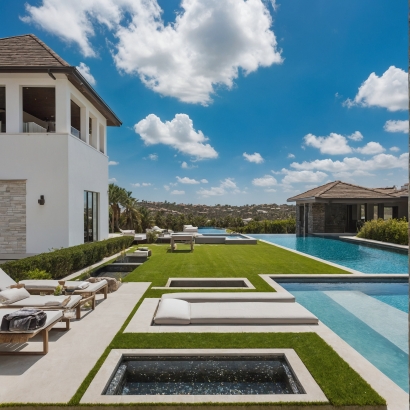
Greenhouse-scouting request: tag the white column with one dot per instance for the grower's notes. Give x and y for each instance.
(85, 131)
(14, 108)
(95, 133)
(63, 107)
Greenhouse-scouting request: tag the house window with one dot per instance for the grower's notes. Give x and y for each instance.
(90, 216)
(39, 109)
(2, 109)
(75, 119)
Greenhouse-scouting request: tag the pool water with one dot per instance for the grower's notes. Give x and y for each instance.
(371, 317)
(212, 230)
(362, 258)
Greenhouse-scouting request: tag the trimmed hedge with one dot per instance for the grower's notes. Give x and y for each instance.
(392, 230)
(62, 262)
(276, 226)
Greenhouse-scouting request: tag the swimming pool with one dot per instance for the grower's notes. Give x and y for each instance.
(371, 317)
(212, 230)
(362, 258)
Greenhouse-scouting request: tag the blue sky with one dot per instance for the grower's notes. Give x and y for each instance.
(237, 101)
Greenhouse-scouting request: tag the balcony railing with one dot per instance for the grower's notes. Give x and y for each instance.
(33, 127)
(75, 132)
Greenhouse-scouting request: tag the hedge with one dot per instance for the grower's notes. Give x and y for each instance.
(276, 226)
(61, 262)
(392, 230)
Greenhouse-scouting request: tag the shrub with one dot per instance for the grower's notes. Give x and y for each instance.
(62, 262)
(152, 237)
(38, 274)
(392, 230)
(267, 226)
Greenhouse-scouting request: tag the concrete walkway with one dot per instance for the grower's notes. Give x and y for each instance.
(55, 377)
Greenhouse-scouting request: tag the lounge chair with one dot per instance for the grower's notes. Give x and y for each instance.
(53, 317)
(190, 228)
(129, 232)
(180, 312)
(204, 297)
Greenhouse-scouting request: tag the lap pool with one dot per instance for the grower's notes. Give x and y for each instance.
(371, 317)
(362, 258)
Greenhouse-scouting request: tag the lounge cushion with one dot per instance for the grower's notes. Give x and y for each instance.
(173, 312)
(251, 313)
(5, 280)
(51, 284)
(48, 301)
(9, 296)
(92, 287)
(203, 297)
(76, 285)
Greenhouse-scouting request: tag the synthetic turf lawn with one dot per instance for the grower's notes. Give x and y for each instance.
(224, 261)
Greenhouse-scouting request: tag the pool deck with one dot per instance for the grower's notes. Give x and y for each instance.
(55, 377)
(387, 245)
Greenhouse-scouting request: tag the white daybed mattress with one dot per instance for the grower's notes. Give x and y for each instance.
(203, 297)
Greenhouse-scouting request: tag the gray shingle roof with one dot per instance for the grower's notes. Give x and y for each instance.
(343, 190)
(28, 51)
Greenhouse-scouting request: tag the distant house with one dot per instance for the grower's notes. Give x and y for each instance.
(53, 151)
(339, 207)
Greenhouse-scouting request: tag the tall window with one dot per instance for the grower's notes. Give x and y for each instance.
(39, 109)
(2, 109)
(90, 216)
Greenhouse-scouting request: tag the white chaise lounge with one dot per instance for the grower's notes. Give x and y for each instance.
(180, 312)
(190, 228)
(53, 317)
(198, 297)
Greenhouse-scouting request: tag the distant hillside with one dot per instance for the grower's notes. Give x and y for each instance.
(256, 212)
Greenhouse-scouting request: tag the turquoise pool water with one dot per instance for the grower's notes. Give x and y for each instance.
(365, 259)
(371, 317)
(211, 230)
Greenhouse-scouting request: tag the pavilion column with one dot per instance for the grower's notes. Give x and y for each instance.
(14, 108)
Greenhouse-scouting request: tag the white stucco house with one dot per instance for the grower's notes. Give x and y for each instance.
(53, 151)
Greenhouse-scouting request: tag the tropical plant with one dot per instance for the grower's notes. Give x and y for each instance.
(147, 219)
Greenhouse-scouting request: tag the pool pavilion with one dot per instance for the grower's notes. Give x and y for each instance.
(339, 207)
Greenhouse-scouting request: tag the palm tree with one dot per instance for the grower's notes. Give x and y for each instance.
(131, 213)
(147, 219)
(115, 197)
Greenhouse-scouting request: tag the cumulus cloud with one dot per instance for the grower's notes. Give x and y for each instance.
(265, 181)
(167, 188)
(356, 136)
(153, 157)
(256, 157)
(395, 149)
(186, 180)
(349, 164)
(141, 184)
(397, 126)
(178, 134)
(227, 186)
(112, 163)
(291, 156)
(112, 180)
(177, 192)
(371, 148)
(292, 177)
(388, 91)
(204, 181)
(207, 45)
(86, 73)
(334, 144)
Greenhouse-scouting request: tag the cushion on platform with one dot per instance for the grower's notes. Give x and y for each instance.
(173, 312)
(10, 296)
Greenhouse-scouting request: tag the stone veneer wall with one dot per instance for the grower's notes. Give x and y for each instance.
(316, 219)
(336, 215)
(12, 216)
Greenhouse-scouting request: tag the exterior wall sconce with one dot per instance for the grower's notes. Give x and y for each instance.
(41, 201)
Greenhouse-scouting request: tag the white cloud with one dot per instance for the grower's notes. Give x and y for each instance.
(349, 164)
(207, 45)
(334, 144)
(178, 133)
(291, 156)
(397, 126)
(267, 180)
(166, 187)
(186, 180)
(177, 192)
(292, 177)
(388, 91)
(227, 186)
(270, 190)
(185, 165)
(371, 148)
(112, 180)
(153, 157)
(256, 157)
(395, 149)
(142, 184)
(205, 181)
(85, 72)
(112, 163)
(356, 136)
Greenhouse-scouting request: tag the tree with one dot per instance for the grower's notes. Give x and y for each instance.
(131, 213)
(115, 197)
(147, 219)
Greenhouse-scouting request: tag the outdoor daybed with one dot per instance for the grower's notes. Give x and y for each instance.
(198, 297)
(53, 317)
(190, 228)
(180, 312)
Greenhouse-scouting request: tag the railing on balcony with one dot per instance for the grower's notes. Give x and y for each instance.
(33, 127)
(75, 132)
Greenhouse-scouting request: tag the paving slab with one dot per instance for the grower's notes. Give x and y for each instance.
(55, 377)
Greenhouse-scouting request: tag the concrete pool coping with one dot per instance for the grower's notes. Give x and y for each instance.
(379, 244)
(247, 282)
(94, 392)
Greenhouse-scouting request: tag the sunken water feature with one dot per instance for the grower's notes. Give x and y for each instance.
(204, 375)
(207, 283)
